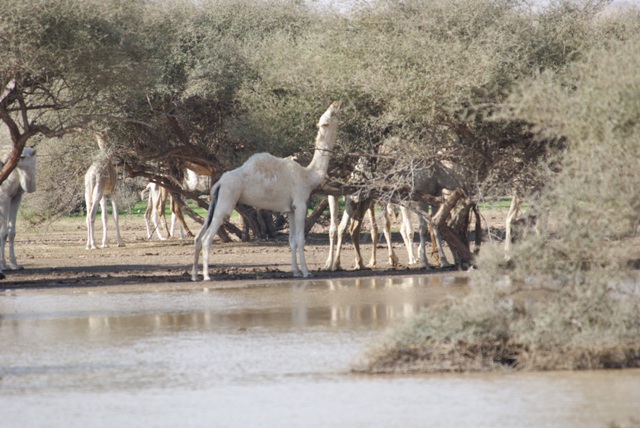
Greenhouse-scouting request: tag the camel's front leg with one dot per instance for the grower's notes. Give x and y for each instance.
(296, 239)
(13, 215)
(333, 229)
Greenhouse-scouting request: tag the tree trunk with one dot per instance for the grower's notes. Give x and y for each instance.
(317, 212)
(457, 244)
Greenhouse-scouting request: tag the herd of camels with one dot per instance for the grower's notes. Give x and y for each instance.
(264, 182)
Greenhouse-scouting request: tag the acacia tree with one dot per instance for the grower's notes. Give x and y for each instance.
(65, 64)
(436, 75)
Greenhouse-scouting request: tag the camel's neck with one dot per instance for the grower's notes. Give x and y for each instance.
(319, 165)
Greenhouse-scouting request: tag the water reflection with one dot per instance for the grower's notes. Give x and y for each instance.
(265, 355)
(371, 302)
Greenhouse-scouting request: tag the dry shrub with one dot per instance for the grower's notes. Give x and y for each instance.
(571, 299)
(503, 327)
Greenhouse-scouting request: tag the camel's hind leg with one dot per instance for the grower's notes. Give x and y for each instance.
(93, 194)
(222, 204)
(406, 231)
(161, 214)
(333, 230)
(176, 214)
(103, 209)
(356, 213)
(342, 228)
(296, 239)
(393, 258)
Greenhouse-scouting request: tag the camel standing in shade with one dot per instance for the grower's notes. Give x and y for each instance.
(434, 181)
(21, 180)
(156, 207)
(276, 184)
(352, 219)
(355, 208)
(155, 210)
(100, 182)
(540, 225)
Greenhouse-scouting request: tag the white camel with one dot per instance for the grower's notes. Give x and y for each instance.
(276, 184)
(100, 182)
(21, 180)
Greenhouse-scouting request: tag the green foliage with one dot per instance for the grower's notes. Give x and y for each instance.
(594, 105)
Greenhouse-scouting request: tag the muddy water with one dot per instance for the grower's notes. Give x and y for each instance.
(272, 355)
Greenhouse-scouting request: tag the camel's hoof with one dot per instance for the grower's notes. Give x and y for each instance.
(15, 267)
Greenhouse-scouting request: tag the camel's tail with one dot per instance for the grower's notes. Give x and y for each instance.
(212, 206)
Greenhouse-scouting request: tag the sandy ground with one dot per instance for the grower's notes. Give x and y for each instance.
(54, 255)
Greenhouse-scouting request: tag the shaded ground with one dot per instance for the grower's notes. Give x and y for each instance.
(55, 256)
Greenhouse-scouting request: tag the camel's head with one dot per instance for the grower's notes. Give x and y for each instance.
(27, 169)
(102, 143)
(328, 124)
